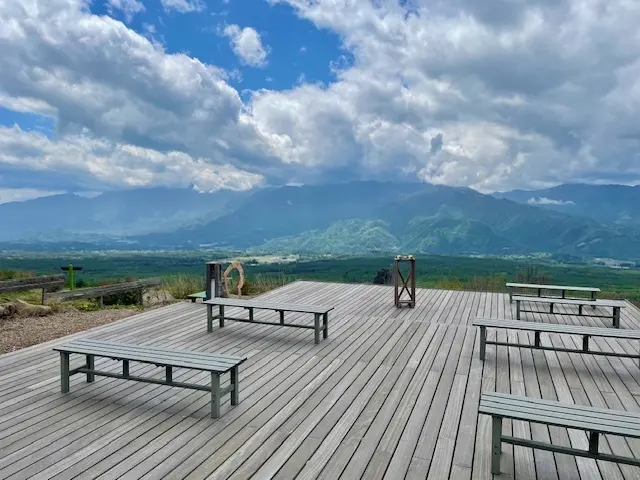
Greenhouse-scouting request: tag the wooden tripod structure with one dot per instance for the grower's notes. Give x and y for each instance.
(402, 283)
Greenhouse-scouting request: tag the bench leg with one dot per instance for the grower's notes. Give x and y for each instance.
(579, 309)
(209, 318)
(483, 341)
(594, 440)
(215, 395)
(235, 393)
(316, 327)
(64, 372)
(616, 317)
(325, 329)
(551, 308)
(510, 294)
(125, 368)
(496, 444)
(91, 366)
(517, 309)
(221, 316)
(536, 339)
(281, 317)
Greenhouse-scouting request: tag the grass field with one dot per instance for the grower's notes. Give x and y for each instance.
(184, 271)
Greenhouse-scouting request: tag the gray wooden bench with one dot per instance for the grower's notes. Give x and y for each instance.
(161, 357)
(539, 288)
(595, 421)
(537, 328)
(613, 304)
(198, 295)
(281, 308)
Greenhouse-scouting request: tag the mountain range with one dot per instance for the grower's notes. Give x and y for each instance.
(357, 217)
(67, 217)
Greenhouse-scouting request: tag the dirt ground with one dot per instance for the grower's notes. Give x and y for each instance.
(17, 333)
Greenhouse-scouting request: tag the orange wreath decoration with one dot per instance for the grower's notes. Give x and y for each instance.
(225, 276)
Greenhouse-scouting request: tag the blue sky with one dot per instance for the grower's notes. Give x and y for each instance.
(27, 121)
(297, 47)
(238, 94)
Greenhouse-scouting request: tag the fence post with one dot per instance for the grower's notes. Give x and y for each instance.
(213, 279)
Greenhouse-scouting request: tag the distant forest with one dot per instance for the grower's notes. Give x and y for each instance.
(435, 271)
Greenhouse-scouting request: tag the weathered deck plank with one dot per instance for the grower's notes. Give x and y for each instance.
(393, 393)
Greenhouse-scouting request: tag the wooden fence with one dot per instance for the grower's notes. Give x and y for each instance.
(104, 291)
(46, 283)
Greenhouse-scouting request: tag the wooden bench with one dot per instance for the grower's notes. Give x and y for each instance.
(595, 421)
(106, 290)
(563, 289)
(614, 304)
(251, 305)
(169, 359)
(194, 296)
(45, 283)
(537, 328)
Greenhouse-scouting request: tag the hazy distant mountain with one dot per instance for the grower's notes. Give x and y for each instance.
(283, 211)
(618, 204)
(357, 217)
(369, 216)
(68, 216)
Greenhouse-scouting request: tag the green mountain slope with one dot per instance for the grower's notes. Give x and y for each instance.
(279, 212)
(345, 236)
(457, 220)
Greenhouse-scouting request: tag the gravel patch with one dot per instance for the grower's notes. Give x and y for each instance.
(17, 333)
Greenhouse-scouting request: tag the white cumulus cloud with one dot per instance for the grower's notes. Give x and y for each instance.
(549, 201)
(247, 44)
(88, 163)
(184, 6)
(128, 7)
(520, 93)
(495, 95)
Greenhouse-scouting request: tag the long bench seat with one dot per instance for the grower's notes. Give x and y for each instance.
(539, 288)
(251, 305)
(198, 295)
(537, 328)
(217, 365)
(595, 421)
(616, 305)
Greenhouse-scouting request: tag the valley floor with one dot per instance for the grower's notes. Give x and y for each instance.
(391, 394)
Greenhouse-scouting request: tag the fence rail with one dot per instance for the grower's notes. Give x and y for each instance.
(104, 291)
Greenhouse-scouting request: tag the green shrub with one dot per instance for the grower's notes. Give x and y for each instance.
(486, 284)
(258, 284)
(123, 298)
(15, 274)
(182, 284)
(450, 284)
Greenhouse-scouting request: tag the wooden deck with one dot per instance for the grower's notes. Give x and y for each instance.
(391, 394)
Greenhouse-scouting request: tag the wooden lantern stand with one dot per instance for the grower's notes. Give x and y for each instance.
(402, 283)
